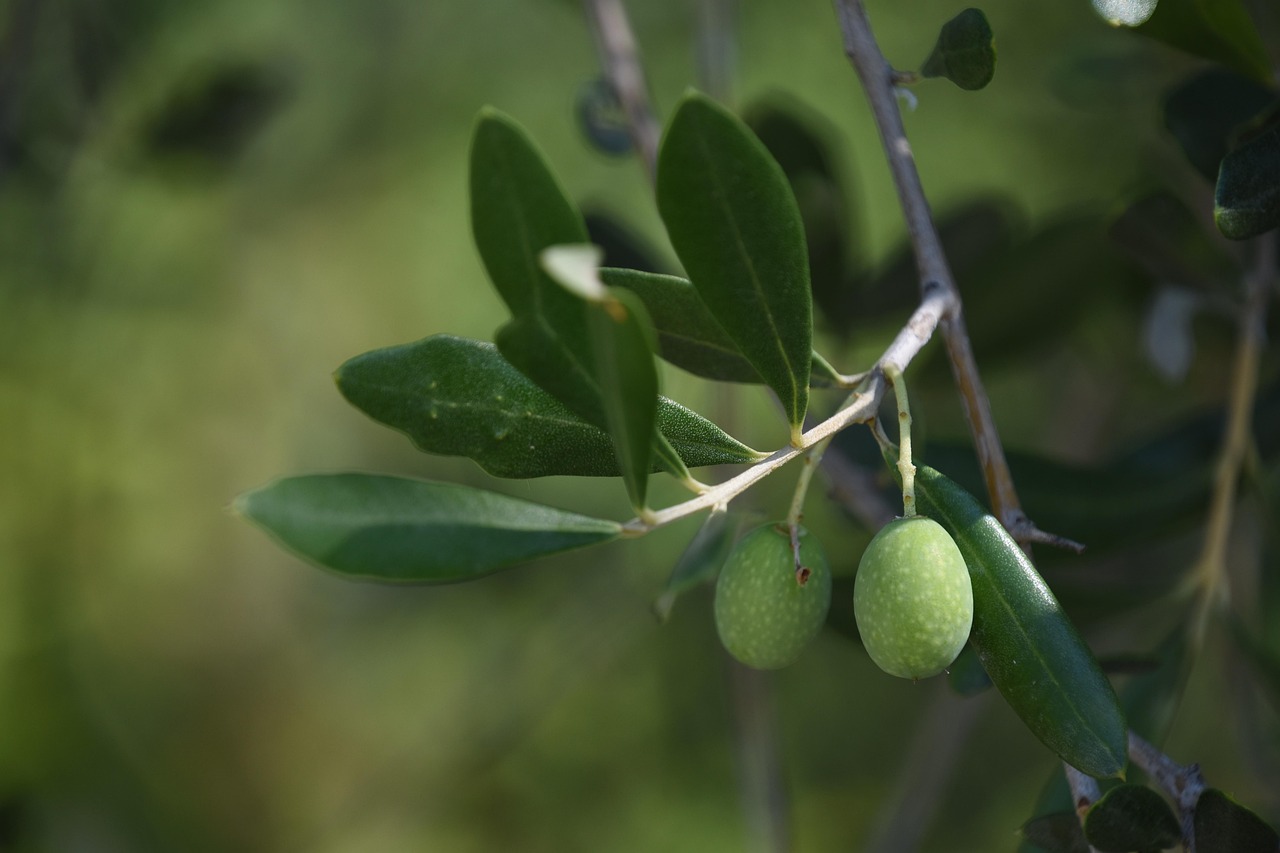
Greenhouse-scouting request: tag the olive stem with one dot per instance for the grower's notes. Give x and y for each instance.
(1183, 783)
(905, 466)
(811, 459)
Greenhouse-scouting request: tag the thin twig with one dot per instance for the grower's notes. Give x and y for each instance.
(1210, 573)
(862, 407)
(717, 47)
(620, 61)
(1183, 783)
(878, 80)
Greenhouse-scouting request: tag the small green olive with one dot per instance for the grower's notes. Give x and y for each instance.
(912, 598)
(766, 611)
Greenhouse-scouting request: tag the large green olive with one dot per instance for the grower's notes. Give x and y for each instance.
(913, 599)
(766, 611)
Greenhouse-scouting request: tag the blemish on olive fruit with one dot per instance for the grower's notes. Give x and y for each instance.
(913, 599)
(766, 611)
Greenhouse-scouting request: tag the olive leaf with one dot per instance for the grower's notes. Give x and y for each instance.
(380, 528)
(735, 225)
(1246, 202)
(1132, 818)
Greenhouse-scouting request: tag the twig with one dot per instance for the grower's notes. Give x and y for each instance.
(878, 80)
(760, 777)
(1210, 575)
(620, 61)
(1183, 783)
(717, 47)
(862, 407)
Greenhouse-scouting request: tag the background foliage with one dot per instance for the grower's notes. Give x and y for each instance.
(207, 208)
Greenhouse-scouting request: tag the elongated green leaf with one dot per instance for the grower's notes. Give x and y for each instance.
(621, 336)
(1026, 643)
(1224, 826)
(965, 51)
(460, 397)
(700, 561)
(1151, 698)
(1246, 202)
(1132, 818)
(736, 227)
(379, 528)
(518, 209)
(1219, 30)
(1204, 112)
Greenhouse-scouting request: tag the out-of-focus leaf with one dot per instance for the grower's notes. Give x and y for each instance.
(1048, 830)
(1150, 699)
(803, 143)
(1224, 826)
(701, 560)
(688, 336)
(622, 246)
(965, 51)
(1218, 30)
(372, 527)
(601, 118)
(1264, 661)
(1246, 202)
(734, 223)
(1131, 818)
(966, 676)
(1164, 236)
(972, 234)
(460, 397)
(1027, 645)
(1058, 832)
(1204, 112)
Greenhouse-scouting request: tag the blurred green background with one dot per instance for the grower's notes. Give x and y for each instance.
(205, 208)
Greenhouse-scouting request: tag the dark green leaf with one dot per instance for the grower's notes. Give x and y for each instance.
(701, 560)
(965, 52)
(734, 223)
(1058, 832)
(1204, 113)
(965, 675)
(1151, 698)
(621, 337)
(1048, 823)
(1131, 818)
(460, 397)
(1026, 643)
(1165, 237)
(623, 247)
(973, 235)
(601, 118)
(518, 209)
(1224, 826)
(1246, 202)
(372, 527)
(1219, 30)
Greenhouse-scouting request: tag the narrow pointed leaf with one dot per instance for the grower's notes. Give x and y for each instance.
(1026, 643)
(1246, 202)
(700, 561)
(1224, 826)
(518, 209)
(1204, 112)
(628, 381)
(1132, 817)
(1219, 30)
(965, 51)
(735, 225)
(460, 397)
(372, 527)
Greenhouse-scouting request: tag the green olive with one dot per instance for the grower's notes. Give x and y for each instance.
(766, 610)
(913, 599)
